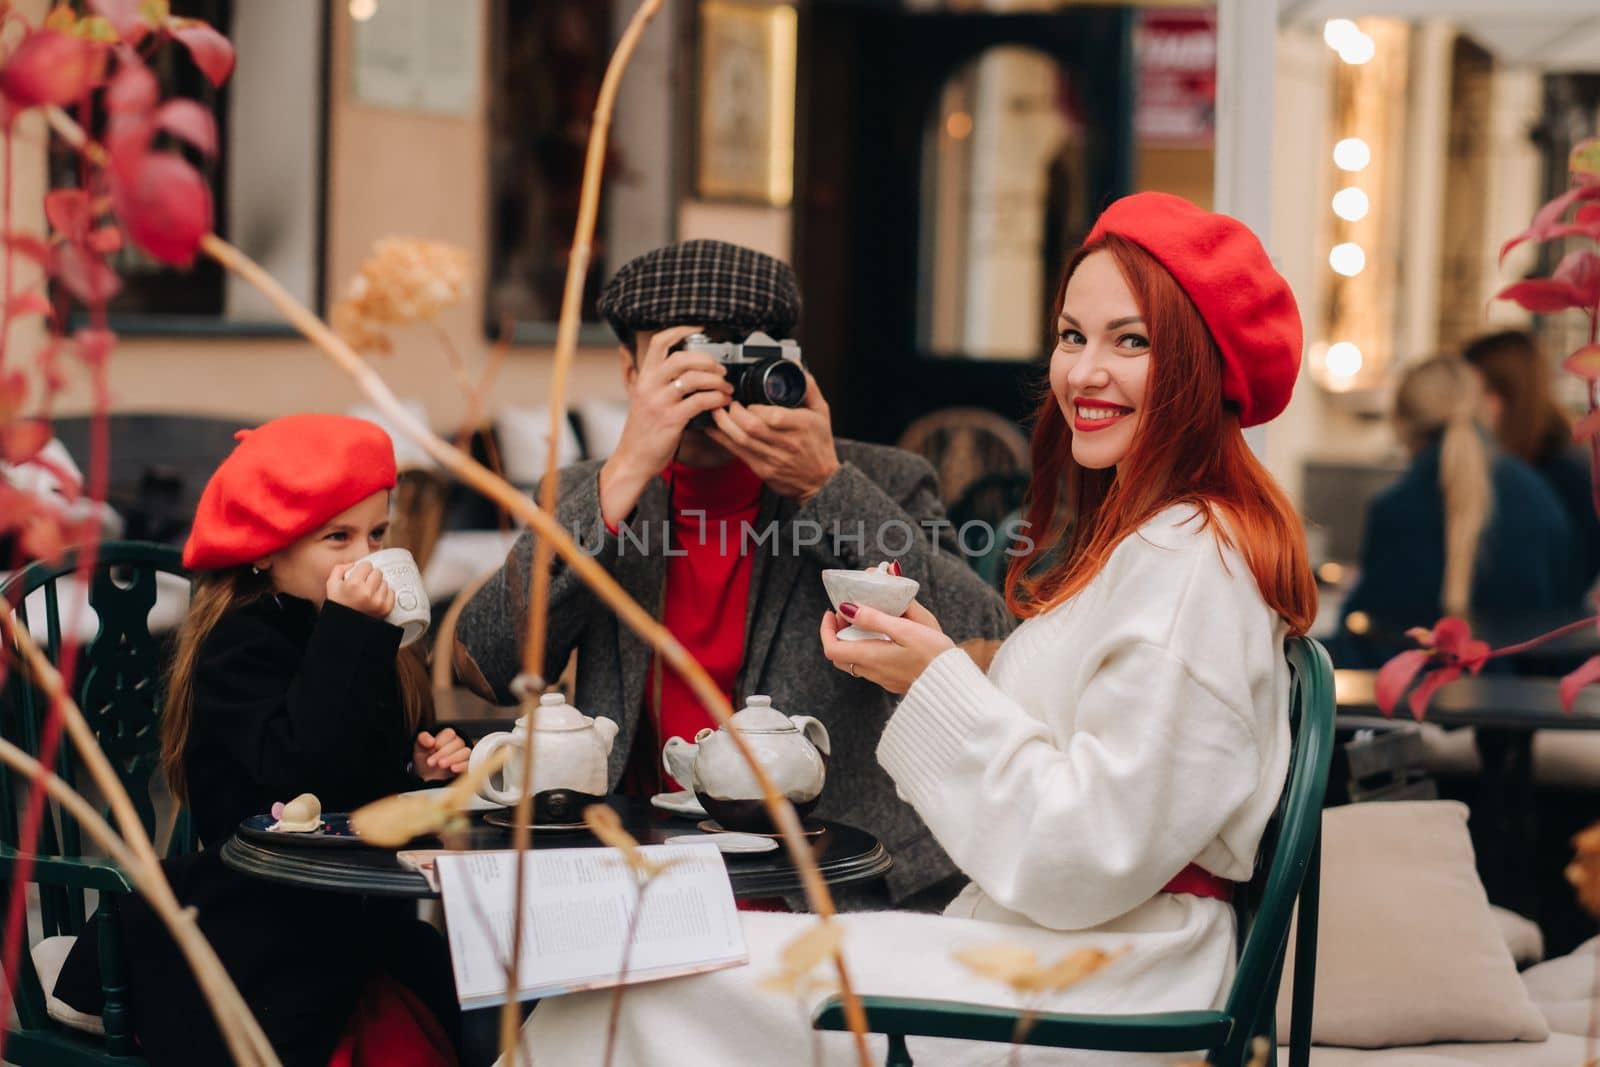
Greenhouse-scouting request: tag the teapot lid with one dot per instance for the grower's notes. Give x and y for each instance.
(758, 716)
(556, 714)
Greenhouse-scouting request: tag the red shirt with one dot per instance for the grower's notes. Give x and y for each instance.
(705, 604)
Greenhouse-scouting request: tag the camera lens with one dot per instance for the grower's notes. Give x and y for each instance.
(779, 382)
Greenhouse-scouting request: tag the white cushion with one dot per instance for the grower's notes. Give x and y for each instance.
(48, 957)
(602, 422)
(1568, 759)
(1522, 936)
(523, 434)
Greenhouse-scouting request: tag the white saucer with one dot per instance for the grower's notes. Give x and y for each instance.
(727, 841)
(475, 803)
(683, 802)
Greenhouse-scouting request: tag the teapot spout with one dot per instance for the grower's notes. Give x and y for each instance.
(679, 757)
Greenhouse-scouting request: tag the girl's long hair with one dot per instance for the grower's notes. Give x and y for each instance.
(1189, 449)
(215, 594)
(1438, 401)
(1533, 427)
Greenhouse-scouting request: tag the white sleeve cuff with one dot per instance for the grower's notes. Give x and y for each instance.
(925, 738)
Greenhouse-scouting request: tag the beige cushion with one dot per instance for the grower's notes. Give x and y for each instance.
(1523, 938)
(1407, 949)
(49, 956)
(1560, 1050)
(1567, 759)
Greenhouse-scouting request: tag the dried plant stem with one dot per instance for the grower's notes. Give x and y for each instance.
(134, 853)
(615, 1016)
(566, 348)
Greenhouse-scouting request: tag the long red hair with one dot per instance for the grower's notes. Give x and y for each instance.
(1189, 449)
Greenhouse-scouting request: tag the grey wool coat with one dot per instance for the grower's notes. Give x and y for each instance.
(884, 494)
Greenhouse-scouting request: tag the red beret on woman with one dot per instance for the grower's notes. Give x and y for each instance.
(282, 481)
(1246, 304)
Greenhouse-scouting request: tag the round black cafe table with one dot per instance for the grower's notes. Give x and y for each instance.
(845, 856)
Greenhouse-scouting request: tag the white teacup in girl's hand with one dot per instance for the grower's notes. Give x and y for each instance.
(411, 609)
(874, 587)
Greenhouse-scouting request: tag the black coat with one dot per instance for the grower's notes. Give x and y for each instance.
(287, 700)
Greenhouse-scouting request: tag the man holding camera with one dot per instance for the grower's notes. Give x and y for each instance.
(724, 500)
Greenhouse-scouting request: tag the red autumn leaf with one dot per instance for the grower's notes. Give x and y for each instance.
(211, 52)
(1550, 216)
(85, 275)
(1450, 634)
(1395, 677)
(1572, 683)
(1542, 295)
(127, 141)
(128, 17)
(26, 244)
(1581, 270)
(1587, 426)
(94, 345)
(189, 122)
(1588, 215)
(133, 87)
(50, 67)
(41, 537)
(13, 394)
(105, 240)
(165, 207)
(1431, 685)
(68, 211)
(31, 302)
(1585, 363)
(21, 440)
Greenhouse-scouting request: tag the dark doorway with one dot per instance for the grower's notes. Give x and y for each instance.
(870, 80)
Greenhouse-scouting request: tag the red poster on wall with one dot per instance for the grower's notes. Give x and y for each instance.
(1176, 51)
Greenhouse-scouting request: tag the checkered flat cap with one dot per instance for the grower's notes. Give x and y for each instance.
(702, 283)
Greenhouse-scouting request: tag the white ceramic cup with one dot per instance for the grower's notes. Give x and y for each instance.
(411, 609)
(888, 593)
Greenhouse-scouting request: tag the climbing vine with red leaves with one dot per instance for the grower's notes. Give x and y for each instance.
(137, 188)
(1448, 650)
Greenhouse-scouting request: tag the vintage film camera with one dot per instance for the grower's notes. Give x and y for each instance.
(761, 371)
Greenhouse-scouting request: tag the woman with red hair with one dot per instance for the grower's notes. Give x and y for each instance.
(1105, 782)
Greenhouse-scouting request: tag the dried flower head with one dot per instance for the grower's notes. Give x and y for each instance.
(816, 945)
(605, 824)
(393, 821)
(1019, 968)
(1584, 870)
(406, 281)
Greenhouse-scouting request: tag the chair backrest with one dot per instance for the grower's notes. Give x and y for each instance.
(117, 682)
(964, 444)
(1288, 844)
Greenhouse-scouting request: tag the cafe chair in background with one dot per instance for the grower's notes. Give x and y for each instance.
(117, 682)
(964, 444)
(1287, 871)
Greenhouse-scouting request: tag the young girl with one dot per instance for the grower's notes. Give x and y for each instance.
(287, 680)
(1106, 782)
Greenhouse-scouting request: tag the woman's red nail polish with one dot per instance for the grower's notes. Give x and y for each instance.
(894, 567)
(847, 609)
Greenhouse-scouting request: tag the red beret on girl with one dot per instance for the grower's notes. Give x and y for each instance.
(282, 481)
(1245, 302)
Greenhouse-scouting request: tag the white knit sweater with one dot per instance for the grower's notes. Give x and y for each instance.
(1117, 738)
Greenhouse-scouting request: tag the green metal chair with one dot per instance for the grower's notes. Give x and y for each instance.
(118, 685)
(1288, 868)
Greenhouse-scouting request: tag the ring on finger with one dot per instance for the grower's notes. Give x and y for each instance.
(853, 673)
(677, 383)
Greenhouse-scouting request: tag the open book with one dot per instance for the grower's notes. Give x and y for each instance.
(578, 903)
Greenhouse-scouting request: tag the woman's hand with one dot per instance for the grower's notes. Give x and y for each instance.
(915, 640)
(435, 758)
(361, 587)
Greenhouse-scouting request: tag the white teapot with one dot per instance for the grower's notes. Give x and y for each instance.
(792, 749)
(570, 753)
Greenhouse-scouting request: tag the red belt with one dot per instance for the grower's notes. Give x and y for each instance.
(1197, 881)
